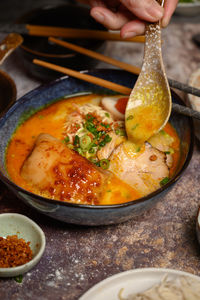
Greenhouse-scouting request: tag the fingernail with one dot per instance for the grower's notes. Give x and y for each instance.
(128, 34)
(165, 22)
(97, 16)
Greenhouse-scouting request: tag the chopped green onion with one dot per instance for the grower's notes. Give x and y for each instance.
(107, 115)
(163, 132)
(130, 118)
(70, 146)
(89, 117)
(102, 144)
(120, 132)
(105, 125)
(79, 150)
(135, 126)
(66, 139)
(93, 160)
(164, 181)
(107, 138)
(76, 140)
(41, 117)
(93, 145)
(137, 149)
(104, 164)
(91, 128)
(171, 151)
(85, 142)
(100, 133)
(91, 150)
(97, 163)
(18, 278)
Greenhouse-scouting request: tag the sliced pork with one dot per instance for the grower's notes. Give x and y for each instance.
(143, 170)
(62, 174)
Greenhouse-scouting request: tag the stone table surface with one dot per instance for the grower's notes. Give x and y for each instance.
(77, 257)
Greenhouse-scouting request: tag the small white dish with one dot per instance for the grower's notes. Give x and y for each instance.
(194, 101)
(23, 227)
(133, 281)
(188, 9)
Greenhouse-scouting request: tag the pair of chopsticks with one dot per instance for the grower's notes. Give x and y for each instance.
(72, 33)
(110, 85)
(127, 67)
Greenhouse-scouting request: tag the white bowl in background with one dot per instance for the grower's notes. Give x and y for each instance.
(188, 9)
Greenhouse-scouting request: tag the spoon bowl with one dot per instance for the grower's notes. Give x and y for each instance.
(149, 105)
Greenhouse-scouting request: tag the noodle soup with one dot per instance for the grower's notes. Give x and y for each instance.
(76, 150)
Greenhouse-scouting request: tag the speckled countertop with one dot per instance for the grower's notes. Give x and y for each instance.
(76, 257)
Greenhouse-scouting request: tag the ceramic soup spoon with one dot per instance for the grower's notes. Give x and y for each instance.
(149, 104)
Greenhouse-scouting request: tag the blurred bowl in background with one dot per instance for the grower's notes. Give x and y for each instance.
(71, 16)
(188, 9)
(8, 92)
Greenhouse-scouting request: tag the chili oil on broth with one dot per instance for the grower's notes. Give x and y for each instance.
(51, 120)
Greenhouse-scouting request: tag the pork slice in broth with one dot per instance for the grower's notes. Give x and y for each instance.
(163, 142)
(62, 174)
(143, 170)
(107, 150)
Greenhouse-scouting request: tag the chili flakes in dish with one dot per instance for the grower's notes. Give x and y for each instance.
(14, 251)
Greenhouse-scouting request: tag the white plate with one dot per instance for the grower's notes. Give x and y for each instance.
(133, 281)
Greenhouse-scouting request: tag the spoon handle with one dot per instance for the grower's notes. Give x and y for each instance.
(161, 2)
(152, 50)
(186, 111)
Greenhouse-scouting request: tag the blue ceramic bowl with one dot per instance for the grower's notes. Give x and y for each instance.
(87, 214)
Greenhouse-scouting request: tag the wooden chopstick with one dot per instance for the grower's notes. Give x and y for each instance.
(110, 85)
(95, 80)
(73, 33)
(130, 68)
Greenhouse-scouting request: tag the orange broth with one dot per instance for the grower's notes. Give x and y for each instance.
(51, 120)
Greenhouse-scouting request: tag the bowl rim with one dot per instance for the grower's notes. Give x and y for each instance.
(30, 264)
(90, 206)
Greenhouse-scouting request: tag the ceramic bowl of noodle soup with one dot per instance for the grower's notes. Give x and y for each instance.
(65, 153)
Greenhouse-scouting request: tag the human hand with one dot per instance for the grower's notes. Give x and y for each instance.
(130, 16)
